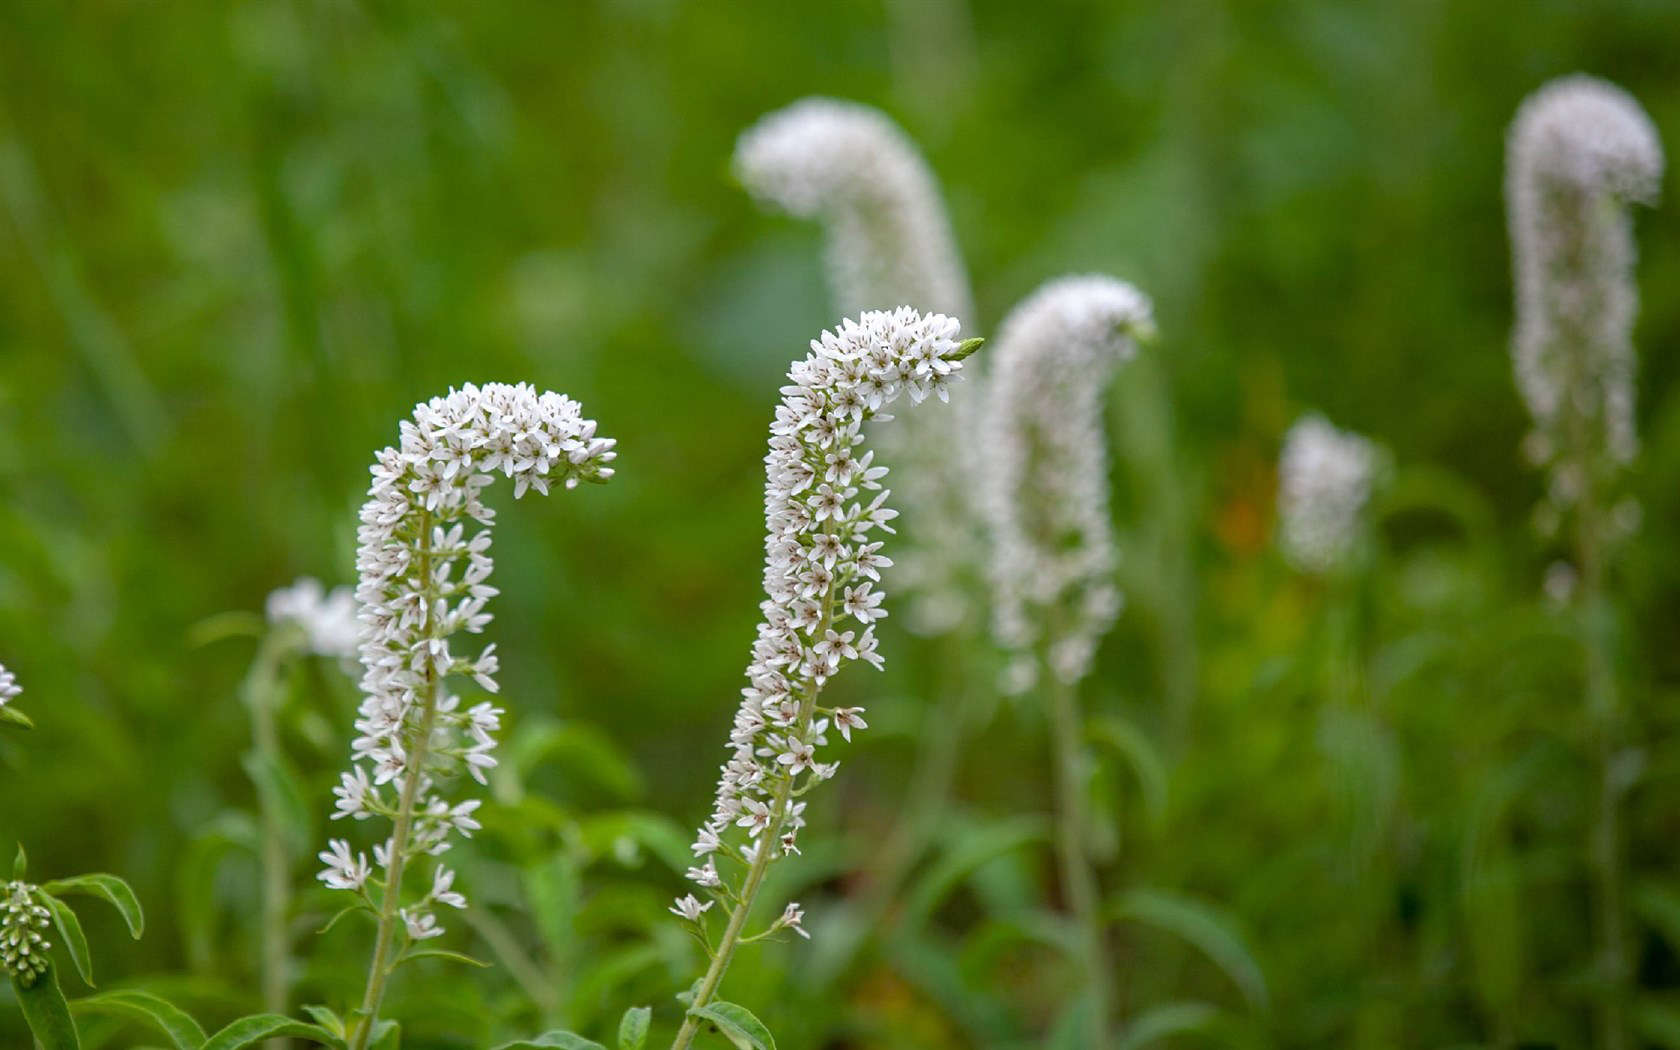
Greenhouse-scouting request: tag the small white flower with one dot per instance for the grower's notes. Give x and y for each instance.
(8, 686)
(343, 871)
(442, 880)
(421, 925)
(328, 620)
(793, 917)
(847, 719)
(689, 908)
(706, 875)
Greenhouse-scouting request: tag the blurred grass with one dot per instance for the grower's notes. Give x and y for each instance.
(237, 242)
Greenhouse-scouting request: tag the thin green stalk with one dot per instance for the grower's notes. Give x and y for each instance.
(262, 694)
(1604, 714)
(379, 970)
(1078, 878)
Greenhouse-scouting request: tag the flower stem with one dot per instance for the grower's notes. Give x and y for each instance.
(1603, 711)
(262, 695)
(379, 970)
(1078, 878)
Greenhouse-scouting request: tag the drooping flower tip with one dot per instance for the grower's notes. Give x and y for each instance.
(1324, 481)
(1046, 475)
(1588, 134)
(423, 579)
(328, 619)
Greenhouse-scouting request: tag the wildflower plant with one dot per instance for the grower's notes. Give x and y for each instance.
(825, 512)
(889, 241)
(1053, 549)
(1580, 150)
(424, 567)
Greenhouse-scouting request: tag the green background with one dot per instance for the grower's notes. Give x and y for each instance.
(239, 241)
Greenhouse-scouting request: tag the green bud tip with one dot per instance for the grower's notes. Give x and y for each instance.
(965, 348)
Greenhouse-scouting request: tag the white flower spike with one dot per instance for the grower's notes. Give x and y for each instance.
(1324, 482)
(1046, 482)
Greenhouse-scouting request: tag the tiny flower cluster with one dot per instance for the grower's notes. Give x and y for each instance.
(1324, 482)
(824, 507)
(1579, 150)
(328, 619)
(423, 577)
(23, 942)
(9, 689)
(889, 241)
(1046, 482)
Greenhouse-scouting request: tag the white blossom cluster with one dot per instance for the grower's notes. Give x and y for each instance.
(1579, 150)
(851, 168)
(824, 510)
(23, 941)
(1324, 481)
(327, 619)
(1046, 482)
(9, 689)
(423, 565)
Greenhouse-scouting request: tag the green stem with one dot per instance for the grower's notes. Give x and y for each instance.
(379, 970)
(1603, 710)
(1078, 878)
(262, 693)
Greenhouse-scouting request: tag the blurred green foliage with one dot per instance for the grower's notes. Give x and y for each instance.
(239, 241)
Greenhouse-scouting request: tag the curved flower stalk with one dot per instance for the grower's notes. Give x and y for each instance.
(1053, 552)
(1324, 481)
(1579, 150)
(849, 167)
(423, 580)
(824, 510)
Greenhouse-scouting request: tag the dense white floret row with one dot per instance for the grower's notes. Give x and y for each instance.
(851, 168)
(423, 565)
(1324, 481)
(1578, 151)
(1046, 483)
(824, 508)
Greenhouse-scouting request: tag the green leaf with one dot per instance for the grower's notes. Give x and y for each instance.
(1131, 744)
(248, 1031)
(967, 854)
(47, 1013)
(1167, 1019)
(167, 1018)
(387, 1035)
(1660, 908)
(15, 717)
(563, 1040)
(75, 941)
(1200, 925)
(580, 749)
(327, 1018)
(108, 888)
(281, 795)
(440, 953)
(20, 864)
(195, 883)
(633, 1027)
(738, 1024)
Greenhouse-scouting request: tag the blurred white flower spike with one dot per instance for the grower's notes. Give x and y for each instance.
(889, 241)
(1579, 152)
(1324, 482)
(328, 619)
(9, 688)
(1046, 481)
(424, 566)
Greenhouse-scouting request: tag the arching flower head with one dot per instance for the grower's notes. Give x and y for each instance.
(1046, 478)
